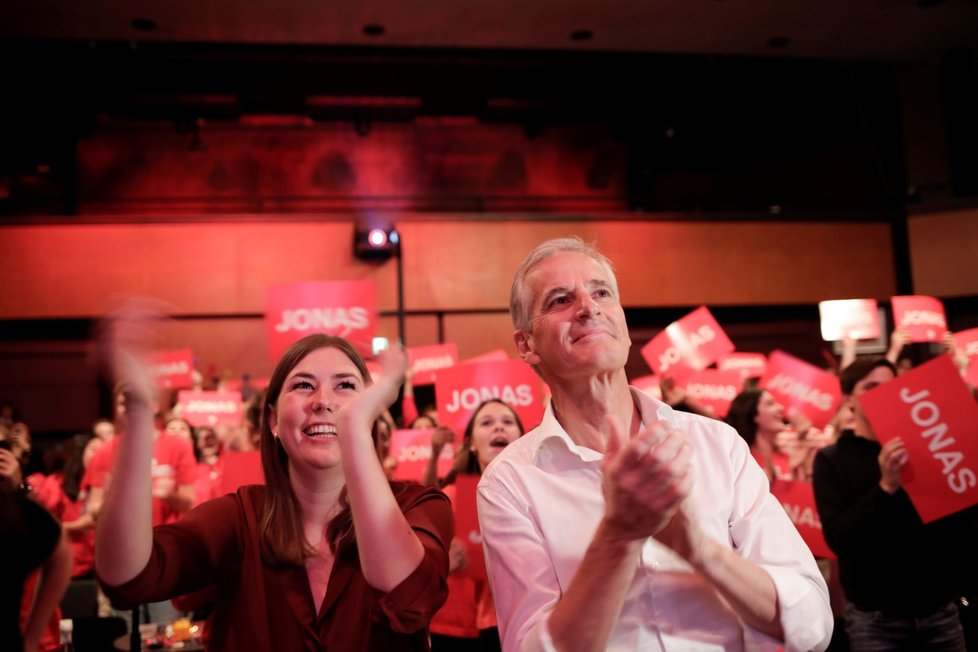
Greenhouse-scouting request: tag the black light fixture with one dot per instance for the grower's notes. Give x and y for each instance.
(374, 245)
(377, 245)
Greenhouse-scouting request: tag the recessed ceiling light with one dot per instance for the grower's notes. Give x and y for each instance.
(778, 42)
(582, 35)
(373, 29)
(144, 24)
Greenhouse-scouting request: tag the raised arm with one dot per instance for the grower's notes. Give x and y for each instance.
(125, 528)
(389, 548)
(898, 340)
(439, 437)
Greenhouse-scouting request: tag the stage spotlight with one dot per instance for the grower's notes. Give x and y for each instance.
(374, 245)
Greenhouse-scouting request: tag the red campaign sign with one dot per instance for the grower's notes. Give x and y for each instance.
(750, 365)
(172, 369)
(459, 390)
(347, 309)
(427, 360)
(691, 343)
(713, 388)
(489, 356)
(648, 384)
(967, 342)
(932, 410)
(239, 469)
(412, 450)
(204, 408)
(922, 317)
(857, 318)
(798, 500)
(467, 524)
(797, 384)
(236, 384)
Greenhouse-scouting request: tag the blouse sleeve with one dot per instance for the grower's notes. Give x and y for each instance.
(188, 555)
(410, 605)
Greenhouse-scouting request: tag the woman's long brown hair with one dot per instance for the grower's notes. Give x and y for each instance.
(282, 538)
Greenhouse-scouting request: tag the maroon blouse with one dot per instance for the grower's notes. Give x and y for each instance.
(260, 607)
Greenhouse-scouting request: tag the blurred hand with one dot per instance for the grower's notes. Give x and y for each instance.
(671, 393)
(798, 419)
(440, 436)
(892, 459)
(367, 406)
(164, 486)
(816, 439)
(899, 338)
(124, 338)
(10, 467)
(645, 480)
(458, 556)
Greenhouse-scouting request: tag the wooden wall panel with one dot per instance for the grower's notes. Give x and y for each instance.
(58, 271)
(428, 164)
(478, 333)
(944, 253)
(470, 265)
(200, 269)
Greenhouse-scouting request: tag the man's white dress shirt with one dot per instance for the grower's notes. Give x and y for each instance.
(540, 503)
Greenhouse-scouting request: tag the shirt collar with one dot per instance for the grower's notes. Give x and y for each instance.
(551, 435)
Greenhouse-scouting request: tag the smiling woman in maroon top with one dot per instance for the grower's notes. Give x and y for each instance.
(327, 555)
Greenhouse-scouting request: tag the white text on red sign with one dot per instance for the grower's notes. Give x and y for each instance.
(925, 414)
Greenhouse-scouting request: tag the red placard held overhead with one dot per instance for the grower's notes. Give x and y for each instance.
(427, 360)
(204, 408)
(922, 317)
(489, 356)
(172, 369)
(347, 309)
(932, 411)
(798, 500)
(648, 384)
(467, 523)
(750, 365)
(967, 341)
(856, 318)
(797, 384)
(459, 390)
(713, 388)
(691, 343)
(411, 448)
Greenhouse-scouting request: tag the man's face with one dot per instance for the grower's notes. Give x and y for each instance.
(876, 377)
(577, 322)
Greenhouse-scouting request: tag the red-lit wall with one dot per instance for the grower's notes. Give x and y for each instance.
(214, 274)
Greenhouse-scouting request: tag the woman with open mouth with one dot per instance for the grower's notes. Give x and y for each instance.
(468, 619)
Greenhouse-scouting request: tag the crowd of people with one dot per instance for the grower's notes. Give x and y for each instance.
(620, 522)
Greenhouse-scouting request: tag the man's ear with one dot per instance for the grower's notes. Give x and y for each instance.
(524, 344)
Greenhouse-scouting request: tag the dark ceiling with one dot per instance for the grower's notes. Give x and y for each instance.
(718, 101)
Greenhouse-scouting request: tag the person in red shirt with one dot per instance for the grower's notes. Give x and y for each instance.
(210, 464)
(328, 554)
(172, 473)
(64, 495)
(468, 619)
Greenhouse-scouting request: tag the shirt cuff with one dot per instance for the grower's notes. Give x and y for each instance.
(806, 617)
(410, 605)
